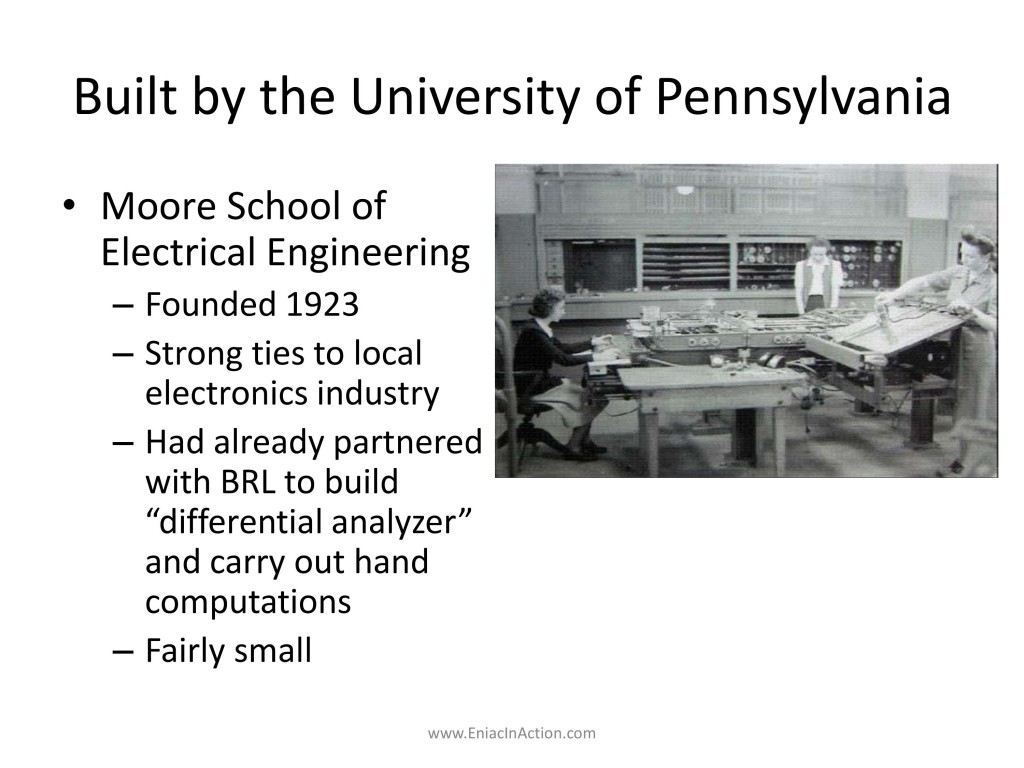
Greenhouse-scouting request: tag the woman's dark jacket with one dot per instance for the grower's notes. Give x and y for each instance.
(536, 351)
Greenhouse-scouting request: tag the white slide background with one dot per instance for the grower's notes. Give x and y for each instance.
(703, 623)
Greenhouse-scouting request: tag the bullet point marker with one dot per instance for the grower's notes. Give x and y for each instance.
(69, 203)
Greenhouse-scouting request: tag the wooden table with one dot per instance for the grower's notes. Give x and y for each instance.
(692, 388)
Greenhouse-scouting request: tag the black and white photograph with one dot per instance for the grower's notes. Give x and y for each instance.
(256, 518)
(746, 321)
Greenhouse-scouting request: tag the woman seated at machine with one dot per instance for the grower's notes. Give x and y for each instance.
(537, 349)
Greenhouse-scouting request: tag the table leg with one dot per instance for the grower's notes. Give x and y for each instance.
(764, 436)
(649, 441)
(779, 422)
(922, 417)
(744, 435)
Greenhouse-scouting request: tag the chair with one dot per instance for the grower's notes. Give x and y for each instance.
(516, 404)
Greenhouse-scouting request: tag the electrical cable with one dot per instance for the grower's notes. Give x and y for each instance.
(624, 413)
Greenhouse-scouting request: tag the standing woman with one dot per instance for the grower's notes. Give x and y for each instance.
(817, 278)
(971, 289)
(537, 349)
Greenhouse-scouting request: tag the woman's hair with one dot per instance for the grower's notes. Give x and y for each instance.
(982, 243)
(818, 242)
(544, 302)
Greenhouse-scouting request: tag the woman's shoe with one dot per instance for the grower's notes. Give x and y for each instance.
(571, 455)
(593, 448)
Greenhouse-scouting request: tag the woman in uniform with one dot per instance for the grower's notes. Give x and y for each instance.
(971, 289)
